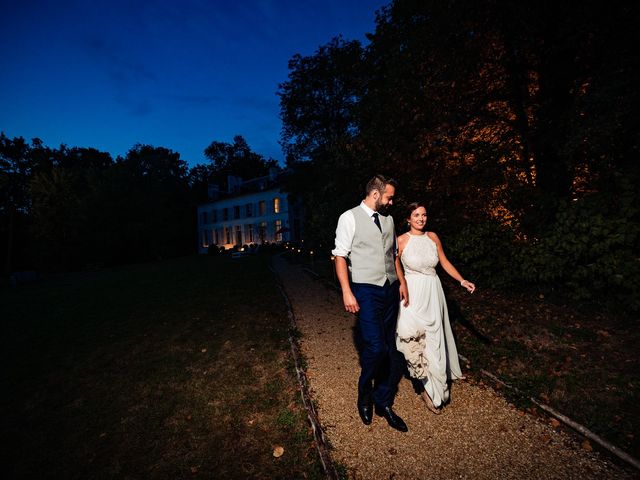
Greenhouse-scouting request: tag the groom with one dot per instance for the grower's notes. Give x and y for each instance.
(367, 238)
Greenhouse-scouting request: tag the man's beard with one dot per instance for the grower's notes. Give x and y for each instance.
(382, 209)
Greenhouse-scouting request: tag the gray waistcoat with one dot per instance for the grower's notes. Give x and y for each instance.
(371, 256)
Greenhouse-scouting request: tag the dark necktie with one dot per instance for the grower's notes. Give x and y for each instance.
(376, 220)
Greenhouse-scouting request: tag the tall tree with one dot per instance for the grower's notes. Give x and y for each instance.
(319, 98)
(66, 208)
(235, 159)
(153, 206)
(318, 106)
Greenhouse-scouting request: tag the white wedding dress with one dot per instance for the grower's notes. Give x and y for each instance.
(424, 333)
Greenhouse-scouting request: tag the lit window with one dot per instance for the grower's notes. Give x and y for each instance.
(278, 230)
(238, 235)
(276, 205)
(262, 207)
(249, 233)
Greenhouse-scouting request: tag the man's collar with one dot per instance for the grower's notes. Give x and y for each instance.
(367, 209)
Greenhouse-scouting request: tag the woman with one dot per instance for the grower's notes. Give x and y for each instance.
(424, 334)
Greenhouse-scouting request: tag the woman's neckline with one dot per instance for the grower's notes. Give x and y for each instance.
(414, 235)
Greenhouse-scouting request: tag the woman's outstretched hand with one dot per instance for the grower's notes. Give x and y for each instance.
(468, 285)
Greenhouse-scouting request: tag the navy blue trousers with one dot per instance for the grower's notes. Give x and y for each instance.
(382, 365)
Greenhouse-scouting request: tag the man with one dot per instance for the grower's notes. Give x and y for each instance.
(367, 238)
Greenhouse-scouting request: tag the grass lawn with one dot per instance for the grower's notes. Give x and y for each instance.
(173, 369)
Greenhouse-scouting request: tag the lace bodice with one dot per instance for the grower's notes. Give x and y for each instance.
(420, 255)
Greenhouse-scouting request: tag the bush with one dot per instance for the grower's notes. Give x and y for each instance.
(485, 252)
(589, 253)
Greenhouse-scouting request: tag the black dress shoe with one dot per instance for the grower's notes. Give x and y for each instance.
(366, 413)
(392, 419)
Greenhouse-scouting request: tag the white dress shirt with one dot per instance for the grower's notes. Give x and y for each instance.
(346, 230)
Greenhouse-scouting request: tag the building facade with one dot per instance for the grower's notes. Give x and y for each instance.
(251, 212)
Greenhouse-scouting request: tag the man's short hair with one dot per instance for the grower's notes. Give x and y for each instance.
(380, 182)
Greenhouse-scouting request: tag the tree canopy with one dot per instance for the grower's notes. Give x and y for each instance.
(74, 208)
(512, 114)
(235, 159)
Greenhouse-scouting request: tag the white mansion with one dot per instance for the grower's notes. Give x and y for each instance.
(250, 212)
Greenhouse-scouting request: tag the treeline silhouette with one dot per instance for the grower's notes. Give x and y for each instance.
(77, 208)
(514, 120)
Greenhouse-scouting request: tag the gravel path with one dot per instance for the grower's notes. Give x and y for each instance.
(479, 435)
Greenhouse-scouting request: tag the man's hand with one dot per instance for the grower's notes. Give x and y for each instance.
(404, 294)
(350, 302)
(342, 272)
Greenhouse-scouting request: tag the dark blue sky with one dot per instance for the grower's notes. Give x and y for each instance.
(176, 74)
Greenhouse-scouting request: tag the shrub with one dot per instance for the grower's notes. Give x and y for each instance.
(485, 252)
(588, 253)
(591, 251)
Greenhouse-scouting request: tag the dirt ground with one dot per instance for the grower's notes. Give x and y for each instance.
(479, 435)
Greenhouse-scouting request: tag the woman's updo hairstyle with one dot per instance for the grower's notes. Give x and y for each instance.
(411, 207)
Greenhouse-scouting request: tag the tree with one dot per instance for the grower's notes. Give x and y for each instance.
(318, 106)
(66, 226)
(15, 171)
(235, 159)
(72, 208)
(318, 100)
(153, 211)
(494, 110)
(19, 163)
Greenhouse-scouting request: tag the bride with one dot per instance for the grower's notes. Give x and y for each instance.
(424, 333)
